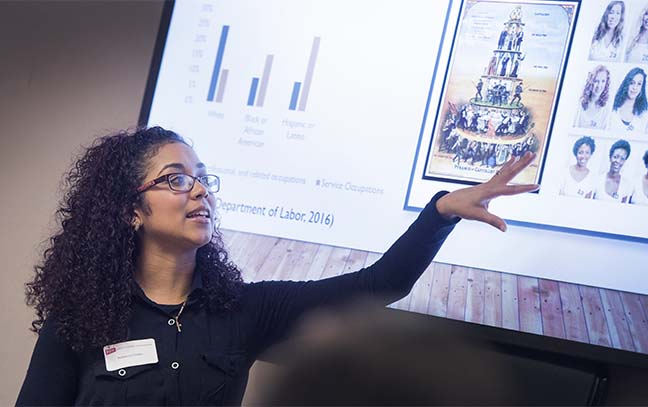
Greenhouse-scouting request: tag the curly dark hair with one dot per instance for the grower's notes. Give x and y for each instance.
(640, 103)
(85, 279)
(621, 144)
(584, 140)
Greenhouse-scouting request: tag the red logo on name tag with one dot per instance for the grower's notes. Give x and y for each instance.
(110, 349)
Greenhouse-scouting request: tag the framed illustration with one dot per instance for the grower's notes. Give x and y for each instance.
(501, 87)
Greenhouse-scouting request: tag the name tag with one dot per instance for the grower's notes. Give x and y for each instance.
(130, 353)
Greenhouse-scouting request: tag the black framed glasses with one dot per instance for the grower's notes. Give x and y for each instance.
(181, 182)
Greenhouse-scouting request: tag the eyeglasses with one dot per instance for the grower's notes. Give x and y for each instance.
(180, 182)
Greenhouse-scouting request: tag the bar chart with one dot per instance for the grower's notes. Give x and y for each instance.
(305, 89)
(258, 88)
(261, 86)
(219, 76)
(274, 92)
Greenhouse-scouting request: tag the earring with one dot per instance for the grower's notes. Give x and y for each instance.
(137, 225)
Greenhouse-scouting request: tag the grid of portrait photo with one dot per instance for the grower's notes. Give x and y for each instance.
(609, 139)
(607, 169)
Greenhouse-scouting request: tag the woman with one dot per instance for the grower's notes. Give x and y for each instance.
(640, 193)
(608, 36)
(592, 112)
(613, 186)
(137, 302)
(580, 181)
(629, 108)
(637, 50)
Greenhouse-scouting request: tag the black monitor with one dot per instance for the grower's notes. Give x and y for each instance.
(332, 123)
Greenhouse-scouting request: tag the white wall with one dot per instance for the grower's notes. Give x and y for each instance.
(69, 72)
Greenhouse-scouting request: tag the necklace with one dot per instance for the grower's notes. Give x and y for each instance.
(177, 317)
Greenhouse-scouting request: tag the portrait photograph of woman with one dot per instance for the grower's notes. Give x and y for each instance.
(612, 184)
(592, 108)
(580, 180)
(608, 36)
(630, 105)
(637, 49)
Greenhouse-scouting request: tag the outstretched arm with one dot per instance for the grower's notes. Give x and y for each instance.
(274, 306)
(472, 203)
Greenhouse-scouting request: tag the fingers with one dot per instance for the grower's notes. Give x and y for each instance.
(519, 189)
(502, 173)
(512, 168)
(508, 163)
(523, 162)
(482, 215)
(494, 221)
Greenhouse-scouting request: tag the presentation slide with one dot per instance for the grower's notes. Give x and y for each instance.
(508, 90)
(310, 116)
(335, 122)
(545, 76)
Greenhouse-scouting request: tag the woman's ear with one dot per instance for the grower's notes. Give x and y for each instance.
(136, 223)
(135, 219)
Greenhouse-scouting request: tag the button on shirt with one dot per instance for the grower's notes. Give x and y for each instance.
(207, 362)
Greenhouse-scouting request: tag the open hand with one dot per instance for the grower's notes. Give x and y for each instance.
(472, 203)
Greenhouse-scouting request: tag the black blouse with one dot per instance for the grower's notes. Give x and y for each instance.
(208, 361)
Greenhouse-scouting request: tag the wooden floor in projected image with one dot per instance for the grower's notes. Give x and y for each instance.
(580, 313)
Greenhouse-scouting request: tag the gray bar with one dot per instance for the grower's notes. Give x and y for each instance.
(309, 74)
(221, 85)
(264, 80)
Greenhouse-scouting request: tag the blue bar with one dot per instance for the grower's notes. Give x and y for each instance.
(295, 95)
(217, 64)
(253, 89)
